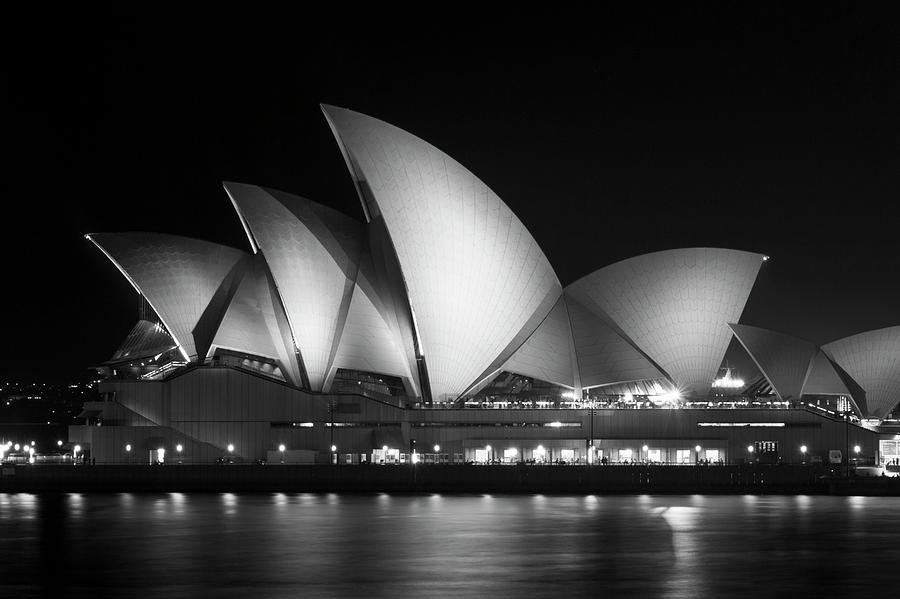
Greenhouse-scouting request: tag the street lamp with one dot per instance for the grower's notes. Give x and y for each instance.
(75, 451)
(803, 454)
(487, 448)
(749, 449)
(230, 448)
(59, 443)
(178, 448)
(281, 449)
(697, 448)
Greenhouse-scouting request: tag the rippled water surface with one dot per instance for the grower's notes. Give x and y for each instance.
(306, 545)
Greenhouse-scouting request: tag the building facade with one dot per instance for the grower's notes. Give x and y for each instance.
(438, 322)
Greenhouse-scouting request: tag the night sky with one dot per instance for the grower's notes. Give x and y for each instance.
(609, 134)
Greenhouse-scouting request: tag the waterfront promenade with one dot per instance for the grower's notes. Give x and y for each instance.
(804, 479)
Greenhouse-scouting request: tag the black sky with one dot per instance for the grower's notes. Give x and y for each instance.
(609, 134)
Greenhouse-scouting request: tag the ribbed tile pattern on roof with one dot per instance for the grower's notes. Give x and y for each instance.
(873, 360)
(675, 305)
(178, 275)
(474, 274)
(313, 254)
(145, 339)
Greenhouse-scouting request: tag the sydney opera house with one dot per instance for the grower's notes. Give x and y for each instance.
(434, 329)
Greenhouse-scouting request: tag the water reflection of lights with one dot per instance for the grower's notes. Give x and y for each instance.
(857, 502)
(126, 500)
(20, 506)
(76, 503)
(684, 522)
(230, 501)
(178, 503)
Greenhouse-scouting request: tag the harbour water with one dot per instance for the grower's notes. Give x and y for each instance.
(329, 545)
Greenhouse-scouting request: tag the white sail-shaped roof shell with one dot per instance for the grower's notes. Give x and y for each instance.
(177, 275)
(368, 343)
(575, 348)
(474, 274)
(604, 356)
(253, 323)
(823, 379)
(675, 306)
(549, 353)
(313, 253)
(784, 360)
(872, 358)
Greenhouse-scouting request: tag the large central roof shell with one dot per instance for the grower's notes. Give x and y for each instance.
(475, 276)
(675, 306)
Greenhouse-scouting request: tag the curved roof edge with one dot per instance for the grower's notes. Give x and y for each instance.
(674, 306)
(762, 257)
(159, 270)
(90, 237)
